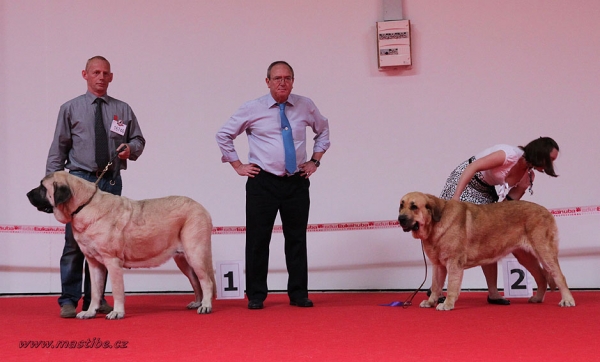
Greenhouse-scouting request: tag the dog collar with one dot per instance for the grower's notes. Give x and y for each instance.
(85, 204)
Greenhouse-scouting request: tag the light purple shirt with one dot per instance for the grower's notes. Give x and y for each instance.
(260, 120)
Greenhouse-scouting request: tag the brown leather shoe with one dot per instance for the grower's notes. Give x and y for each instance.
(67, 311)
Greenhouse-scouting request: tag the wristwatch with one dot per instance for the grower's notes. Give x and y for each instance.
(316, 162)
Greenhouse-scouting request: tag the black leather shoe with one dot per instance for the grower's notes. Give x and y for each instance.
(500, 301)
(255, 304)
(302, 302)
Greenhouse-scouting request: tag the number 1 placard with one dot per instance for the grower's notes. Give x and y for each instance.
(230, 279)
(517, 280)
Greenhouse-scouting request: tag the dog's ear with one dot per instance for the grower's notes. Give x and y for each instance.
(435, 206)
(62, 194)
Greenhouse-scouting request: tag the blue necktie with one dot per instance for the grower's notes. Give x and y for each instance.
(288, 141)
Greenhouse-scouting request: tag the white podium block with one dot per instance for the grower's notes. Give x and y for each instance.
(517, 280)
(230, 281)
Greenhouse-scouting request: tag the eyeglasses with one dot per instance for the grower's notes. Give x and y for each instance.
(282, 79)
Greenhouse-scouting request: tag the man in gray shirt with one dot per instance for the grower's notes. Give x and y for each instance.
(74, 148)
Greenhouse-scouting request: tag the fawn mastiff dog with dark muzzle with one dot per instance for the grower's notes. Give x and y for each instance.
(460, 235)
(114, 232)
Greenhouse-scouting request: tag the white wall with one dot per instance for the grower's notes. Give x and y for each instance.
(484, 72)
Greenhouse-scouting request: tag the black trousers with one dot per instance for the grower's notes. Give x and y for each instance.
(267, 194)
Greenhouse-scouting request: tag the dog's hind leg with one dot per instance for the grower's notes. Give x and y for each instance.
(187, 270)
(549, 279)
(530, 262)
(197, 247)
(204, 271)
(552, 266)
(546, 249)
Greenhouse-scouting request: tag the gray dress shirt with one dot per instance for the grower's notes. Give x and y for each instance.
(73, 145)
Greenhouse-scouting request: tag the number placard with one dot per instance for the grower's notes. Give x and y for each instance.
(230, 279)
(517, 280)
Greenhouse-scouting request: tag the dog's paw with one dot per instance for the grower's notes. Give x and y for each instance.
(86, 314)
(426, 304)
(444, 306)
(535, 299)
(205, 310)
(194, 305)
(115, 315)
(567, 303)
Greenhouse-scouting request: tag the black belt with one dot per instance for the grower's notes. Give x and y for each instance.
(284, 176)
(478, 179)
(109, 175)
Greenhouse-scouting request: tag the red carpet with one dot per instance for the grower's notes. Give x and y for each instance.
(341, 327)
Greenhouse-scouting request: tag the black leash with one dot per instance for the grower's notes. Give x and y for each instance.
(408, 302)
(119, 150)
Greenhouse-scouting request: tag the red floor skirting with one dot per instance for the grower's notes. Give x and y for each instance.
(341, 327)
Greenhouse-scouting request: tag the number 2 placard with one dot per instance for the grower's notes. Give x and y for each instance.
(517, 280)
(230, 279)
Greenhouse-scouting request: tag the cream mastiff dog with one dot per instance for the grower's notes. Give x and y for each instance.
(114, 232)
(460, 235)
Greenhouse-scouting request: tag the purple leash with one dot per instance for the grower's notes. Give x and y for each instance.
(408, 302)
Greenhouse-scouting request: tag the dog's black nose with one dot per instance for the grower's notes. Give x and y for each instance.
(405, 222)
(37, 197)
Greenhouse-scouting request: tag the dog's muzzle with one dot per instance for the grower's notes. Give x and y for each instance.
(407, 224)
(37, 197)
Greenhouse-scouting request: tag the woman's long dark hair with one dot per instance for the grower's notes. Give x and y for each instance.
(537, 154)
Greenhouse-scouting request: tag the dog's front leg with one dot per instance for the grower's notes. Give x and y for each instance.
(97, 272)
(455, 276)
(437, 284)
(115, 273)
